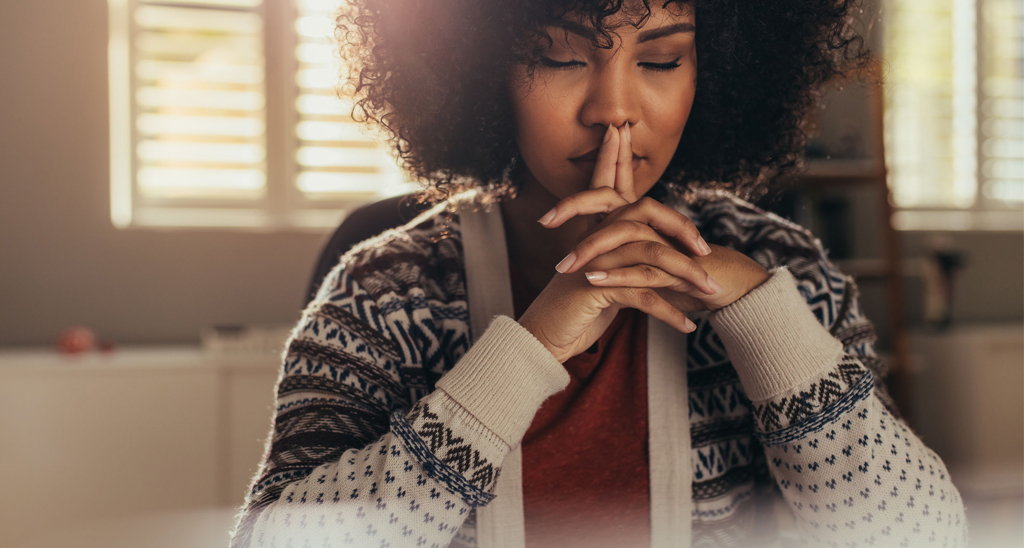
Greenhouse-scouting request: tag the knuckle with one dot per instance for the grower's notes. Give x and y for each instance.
(627, 226)
(647, 297)
(682, 285)
(653, 251)
(648, 272)
(646, 202)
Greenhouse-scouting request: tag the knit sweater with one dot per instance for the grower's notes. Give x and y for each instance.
(393, 420)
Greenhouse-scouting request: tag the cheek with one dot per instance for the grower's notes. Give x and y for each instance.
(539, 119)
(673, 108)
(543, 130)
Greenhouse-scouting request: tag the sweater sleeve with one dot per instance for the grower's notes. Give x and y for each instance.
(850, 471)
(350, 463)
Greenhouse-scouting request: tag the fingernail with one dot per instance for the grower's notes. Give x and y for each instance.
(566, 263)
(548, 217)
(714, 285)
(690, 326)
(704, 247)
(596, 276)
(608, 134)
(629, 138)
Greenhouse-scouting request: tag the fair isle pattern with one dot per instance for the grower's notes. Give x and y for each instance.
(340, 504)
(357, 356)
(473, 459)
(437, 469)
(356, 406)
(803, 403)
(848, 487)
(716, 395)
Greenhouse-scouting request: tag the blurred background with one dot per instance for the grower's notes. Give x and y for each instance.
(170, 170)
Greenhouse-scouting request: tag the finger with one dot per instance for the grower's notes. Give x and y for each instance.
(648, 252)
(665, 220)
(612, 235)
(588, 202)
(647, 300)
(604, 169)
(642, 275)
(624, 166)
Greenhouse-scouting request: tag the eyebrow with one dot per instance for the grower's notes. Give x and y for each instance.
(661, 32)
(645, 36)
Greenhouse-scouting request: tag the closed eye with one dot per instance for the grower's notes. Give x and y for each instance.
(549, 62)
(662, 66)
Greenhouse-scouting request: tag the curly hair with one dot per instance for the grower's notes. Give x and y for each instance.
(432, 75)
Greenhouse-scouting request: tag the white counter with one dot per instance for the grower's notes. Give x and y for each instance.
(140, 432)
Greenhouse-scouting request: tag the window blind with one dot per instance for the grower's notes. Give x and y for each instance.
(1002, 105)
(199, 100)
(336, 159)
(191, 94)
(954, 132)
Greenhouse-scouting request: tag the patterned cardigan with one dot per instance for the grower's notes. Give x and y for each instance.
(370, 447)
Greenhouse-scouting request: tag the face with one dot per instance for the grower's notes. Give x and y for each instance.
(647, 78)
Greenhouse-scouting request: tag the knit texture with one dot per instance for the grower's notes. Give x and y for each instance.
(503, 381)
(773, 339)
(367, 451)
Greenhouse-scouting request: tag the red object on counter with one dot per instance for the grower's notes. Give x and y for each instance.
(76, 340)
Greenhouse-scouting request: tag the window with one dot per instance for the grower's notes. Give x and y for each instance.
(955, 113)
(224, 113)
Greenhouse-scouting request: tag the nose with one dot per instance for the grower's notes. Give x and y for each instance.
(612, 95)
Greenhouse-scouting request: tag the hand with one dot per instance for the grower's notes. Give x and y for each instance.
(571, 313)
(635, 235)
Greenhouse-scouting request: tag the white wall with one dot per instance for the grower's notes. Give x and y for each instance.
(61, 261)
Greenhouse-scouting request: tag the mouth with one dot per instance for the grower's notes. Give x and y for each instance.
(589, 159)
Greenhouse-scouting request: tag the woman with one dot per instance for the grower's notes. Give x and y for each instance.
(666, 365)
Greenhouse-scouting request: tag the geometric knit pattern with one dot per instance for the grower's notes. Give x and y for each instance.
(806, 402)
(861, 478)
(437, 427)
(798, 426)
(364, 451)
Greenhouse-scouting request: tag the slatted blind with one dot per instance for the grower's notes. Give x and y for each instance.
(199, 100)
(189, 113)
(955, 104)
(335, 158)
(1002, 103)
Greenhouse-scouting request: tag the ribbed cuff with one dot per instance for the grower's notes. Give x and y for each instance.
(504, 378)
(773, 339)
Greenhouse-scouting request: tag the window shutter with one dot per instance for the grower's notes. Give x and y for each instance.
(336, 159)
(955, 113)
(930, 109)
(1002, 103)
(194, 115)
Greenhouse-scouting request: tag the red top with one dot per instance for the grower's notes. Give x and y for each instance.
(586, 480)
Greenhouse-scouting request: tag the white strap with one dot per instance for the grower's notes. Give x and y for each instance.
(500, 524)
(668, 436)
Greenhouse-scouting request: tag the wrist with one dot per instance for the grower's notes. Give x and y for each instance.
(748, 279)
(526, 323)
(773, 338)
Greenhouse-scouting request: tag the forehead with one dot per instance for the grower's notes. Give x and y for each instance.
(635, 14)
(633, 17)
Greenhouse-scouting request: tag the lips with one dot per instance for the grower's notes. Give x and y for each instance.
(592, 157)
(588, 157)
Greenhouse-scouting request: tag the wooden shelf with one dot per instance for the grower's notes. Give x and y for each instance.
(841, 171)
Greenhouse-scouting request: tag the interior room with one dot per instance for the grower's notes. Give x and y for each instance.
(149, 284)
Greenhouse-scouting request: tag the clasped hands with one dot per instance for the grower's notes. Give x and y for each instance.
(640, 252)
